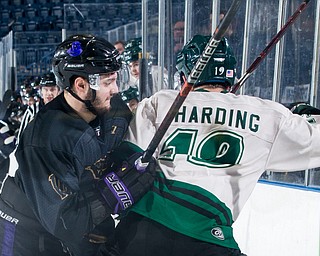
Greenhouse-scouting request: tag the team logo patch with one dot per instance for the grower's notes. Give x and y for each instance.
(99, 167)
(75, 49)
(217, 233)
(61, 189)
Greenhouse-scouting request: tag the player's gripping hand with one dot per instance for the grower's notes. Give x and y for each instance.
(127, 183)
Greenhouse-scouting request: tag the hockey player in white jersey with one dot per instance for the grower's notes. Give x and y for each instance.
(131, 56)
(211, 158)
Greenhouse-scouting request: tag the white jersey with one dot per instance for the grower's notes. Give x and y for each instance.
(219, 145)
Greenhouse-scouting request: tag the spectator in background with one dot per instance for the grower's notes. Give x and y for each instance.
(229, 31)
(178, 36)
(119, 45)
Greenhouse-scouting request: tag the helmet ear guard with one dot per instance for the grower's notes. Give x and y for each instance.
(94, 81)
(221, 68)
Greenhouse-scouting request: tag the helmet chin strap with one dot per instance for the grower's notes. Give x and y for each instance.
(88, 103)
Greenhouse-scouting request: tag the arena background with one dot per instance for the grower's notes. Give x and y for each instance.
(31, 29)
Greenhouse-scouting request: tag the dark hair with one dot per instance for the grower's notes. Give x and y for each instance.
(120, 42)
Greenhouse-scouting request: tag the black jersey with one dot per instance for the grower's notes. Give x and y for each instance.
(55, 156)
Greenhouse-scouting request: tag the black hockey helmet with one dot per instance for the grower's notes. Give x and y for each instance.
(87, 56)
(48, 80)
(220, 69)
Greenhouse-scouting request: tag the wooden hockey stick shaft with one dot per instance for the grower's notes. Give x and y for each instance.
(269, 47)
(192, 79)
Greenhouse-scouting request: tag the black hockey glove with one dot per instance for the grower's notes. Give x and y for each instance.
(114, 124)
(119, 108)
(305, 110)
(127, 183)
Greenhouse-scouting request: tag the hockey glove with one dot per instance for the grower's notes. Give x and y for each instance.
(126, 184)
(119, 108)
(115, 123)
(305, 110)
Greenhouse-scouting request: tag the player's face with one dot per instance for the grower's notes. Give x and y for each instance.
(133, 104)
(134, 68)
(119, 47)
(178, 31)
(108, 87)
(48, 93)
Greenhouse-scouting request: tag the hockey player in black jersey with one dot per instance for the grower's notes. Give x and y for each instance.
(66, 188)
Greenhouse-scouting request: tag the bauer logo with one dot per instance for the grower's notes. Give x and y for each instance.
(217, 233)
(219, 59)
(8, 218)
(75, 66)
(119, 190)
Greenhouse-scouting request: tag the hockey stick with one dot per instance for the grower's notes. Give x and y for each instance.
(269, 47)
(192, 79)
